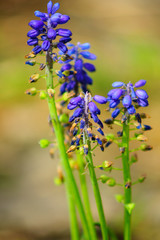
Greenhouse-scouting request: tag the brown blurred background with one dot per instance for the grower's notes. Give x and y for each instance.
(126, 39)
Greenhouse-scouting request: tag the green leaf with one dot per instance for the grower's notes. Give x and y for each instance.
(129, 207)
(119, 198)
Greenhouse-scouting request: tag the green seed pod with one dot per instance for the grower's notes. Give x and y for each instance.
(107, 165)
(104, 178)
(142, 138)
(42, 95)
(111, 182)
(44, 143)
(64, 118)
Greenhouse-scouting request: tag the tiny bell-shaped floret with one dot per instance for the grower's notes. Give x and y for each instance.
(100, 99)
(93, 108)
(127, 101)
(117, 93)
(90, 67)
(140, 83)
(88, 55)
(71, 149)
(36, 24)
(31, 62)
(115, 113)
(117, 84)
(141, 94)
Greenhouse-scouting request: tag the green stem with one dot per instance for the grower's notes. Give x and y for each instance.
(71, 186)
(73, 219)
(86, 197)
(97, 195)
(127, 179)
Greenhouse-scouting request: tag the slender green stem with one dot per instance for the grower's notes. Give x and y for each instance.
(71, 187)
(73, 219)
(86, 201)
(127, 179)
(97, 195)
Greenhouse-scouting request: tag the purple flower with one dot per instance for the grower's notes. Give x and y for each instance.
(79, 70)
(44, 29)
(86, 110)
(100, 99)
(129, 97)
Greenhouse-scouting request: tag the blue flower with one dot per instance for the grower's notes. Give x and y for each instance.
(85, 111)
(130, 98)
(44, 30)
(79, 69)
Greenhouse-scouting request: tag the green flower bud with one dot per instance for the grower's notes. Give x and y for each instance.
(42, 95)
(142, 138)
(145, 147)
(111, 182)
(142, 178)
(134, 158)
(64, 118)
(104, 178)
(57, 181)
(31, 91)
(44, 143)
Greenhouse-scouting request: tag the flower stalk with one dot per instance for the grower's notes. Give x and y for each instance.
(71, 187)
(127, 180)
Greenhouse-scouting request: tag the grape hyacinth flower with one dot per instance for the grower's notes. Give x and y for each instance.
(44, 31)
(85, 110)
(76, 69)
(129, 95)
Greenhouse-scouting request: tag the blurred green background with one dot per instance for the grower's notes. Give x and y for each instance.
(126, 39)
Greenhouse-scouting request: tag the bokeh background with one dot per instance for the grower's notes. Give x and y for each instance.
(125, 37)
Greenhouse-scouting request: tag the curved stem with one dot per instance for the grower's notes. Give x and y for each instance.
(97, 195)
(127, 180)
(86, 197)
(71, 186)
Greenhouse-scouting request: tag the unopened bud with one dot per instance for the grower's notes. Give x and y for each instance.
(142, 178)
(85, 147)
(71, 149)
(30, 55)
(111, 182)
(42, 95)
(44, 143)
(42, 66)
(104, 178)
(51, 152)
(134, 158)
(31, 91)
(51, 92)
(122, 149)
(34, 78)
(142, 138)
(107, 164)
(64, 118)
(30, 62)
(145, 147)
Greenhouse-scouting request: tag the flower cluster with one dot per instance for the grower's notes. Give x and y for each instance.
(129, 96)
(85, 110)
(44, 31)
(76, 68)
